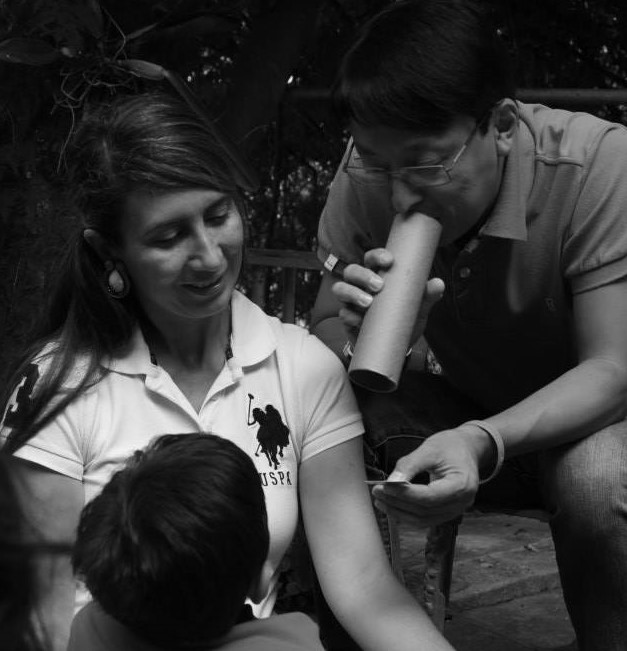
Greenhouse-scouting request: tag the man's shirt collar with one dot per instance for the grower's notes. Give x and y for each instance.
(508, 217)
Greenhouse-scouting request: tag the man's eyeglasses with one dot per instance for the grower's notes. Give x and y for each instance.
(418, 176)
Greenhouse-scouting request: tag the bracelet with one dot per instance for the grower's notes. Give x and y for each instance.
(496, 437)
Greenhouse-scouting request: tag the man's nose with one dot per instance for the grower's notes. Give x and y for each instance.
(405, 198)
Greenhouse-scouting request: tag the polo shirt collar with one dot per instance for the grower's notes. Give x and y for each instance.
(253, 341)
(253, 337)
(508, 217)
(134, 359)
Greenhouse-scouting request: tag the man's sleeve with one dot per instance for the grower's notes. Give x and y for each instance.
(356, 218)
(595, 247)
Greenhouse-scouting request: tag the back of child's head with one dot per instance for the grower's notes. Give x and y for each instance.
(176, 539)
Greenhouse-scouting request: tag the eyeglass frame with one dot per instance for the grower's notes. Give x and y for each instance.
(387, 175)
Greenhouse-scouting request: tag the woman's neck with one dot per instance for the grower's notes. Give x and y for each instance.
(192, 346)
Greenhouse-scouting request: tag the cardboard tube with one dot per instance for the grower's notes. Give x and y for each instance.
(388, 324)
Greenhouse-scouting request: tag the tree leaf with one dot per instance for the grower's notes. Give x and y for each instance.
(143, 69)
(31, 51)
(92, 18)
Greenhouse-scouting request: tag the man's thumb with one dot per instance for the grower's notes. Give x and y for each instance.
(411, 468)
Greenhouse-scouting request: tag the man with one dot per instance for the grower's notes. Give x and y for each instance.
(526, 307)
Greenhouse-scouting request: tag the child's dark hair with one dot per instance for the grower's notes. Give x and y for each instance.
(419, 64)
(176, 539)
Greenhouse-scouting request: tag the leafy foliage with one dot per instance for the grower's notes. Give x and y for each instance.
(55, 54)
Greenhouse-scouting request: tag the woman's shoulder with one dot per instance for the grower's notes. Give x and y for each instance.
(49, 359)
(293, 343)
(312, 363)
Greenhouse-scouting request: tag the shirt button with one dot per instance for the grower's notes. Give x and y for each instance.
(464, 272)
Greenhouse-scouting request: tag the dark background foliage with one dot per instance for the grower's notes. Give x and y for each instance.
(262, 68)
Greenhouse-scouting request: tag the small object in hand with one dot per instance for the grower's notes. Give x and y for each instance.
(375, 482)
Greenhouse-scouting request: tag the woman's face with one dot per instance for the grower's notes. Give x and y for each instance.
(183, 252)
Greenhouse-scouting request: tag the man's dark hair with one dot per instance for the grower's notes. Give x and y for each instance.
(176, 539)
(419, 64)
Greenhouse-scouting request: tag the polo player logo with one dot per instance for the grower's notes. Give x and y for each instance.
(272, 435)
(17, 411)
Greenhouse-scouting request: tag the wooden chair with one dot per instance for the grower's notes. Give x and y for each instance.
(438, 567)
(439, 555)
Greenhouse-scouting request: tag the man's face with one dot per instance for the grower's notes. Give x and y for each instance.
(475, 177)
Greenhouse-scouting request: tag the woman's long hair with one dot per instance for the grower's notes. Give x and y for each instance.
(152, 142)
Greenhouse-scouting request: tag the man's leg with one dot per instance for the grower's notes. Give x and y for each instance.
(397, 423)
(586, 492)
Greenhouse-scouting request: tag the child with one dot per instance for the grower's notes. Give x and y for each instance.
(170, 550)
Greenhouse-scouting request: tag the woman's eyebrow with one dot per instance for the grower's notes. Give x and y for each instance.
(165, 225)
(182, 215)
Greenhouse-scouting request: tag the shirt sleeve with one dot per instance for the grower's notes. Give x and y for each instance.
(595, 247)
(56, 446)
(356, 218)
(326, 403)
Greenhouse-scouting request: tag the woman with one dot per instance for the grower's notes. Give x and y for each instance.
(148, 335)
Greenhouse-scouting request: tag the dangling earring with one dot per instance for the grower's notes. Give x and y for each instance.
(116, 279)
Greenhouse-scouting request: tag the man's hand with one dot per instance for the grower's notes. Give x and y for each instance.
(452, 459)
(361, 283)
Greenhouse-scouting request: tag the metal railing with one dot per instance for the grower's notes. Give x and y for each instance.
(552, 96)
(291, 261)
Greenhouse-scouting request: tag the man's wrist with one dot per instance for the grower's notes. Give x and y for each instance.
(489, 447)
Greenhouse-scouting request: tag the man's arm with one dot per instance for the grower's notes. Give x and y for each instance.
(326, 323)
(587, 398)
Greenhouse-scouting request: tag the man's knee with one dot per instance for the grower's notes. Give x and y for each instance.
(586, 483)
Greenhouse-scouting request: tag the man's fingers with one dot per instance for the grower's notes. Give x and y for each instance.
(351, 320)
(352, 296)
(442, 493)
(433, 292)
(378, 259)
(363, 278)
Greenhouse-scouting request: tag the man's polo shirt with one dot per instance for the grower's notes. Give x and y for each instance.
(559, 227)
(282, 398)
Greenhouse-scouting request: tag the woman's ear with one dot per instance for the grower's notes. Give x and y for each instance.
(98, 244)
(505, 119)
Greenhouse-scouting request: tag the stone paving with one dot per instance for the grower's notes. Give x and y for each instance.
(505, 593)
